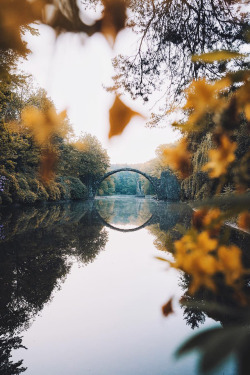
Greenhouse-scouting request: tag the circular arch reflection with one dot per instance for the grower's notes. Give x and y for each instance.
(104, 222)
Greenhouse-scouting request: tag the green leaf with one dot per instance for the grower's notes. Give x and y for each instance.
(215, 344)
(244, 356)
(236, 202)
(219, 347)
(198, 341)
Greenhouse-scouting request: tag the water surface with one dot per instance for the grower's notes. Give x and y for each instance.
(80, 283)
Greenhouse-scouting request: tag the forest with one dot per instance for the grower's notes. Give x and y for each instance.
(26, 156)
(196, 53)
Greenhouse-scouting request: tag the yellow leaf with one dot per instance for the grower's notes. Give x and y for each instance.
(178, 158)
(119, 117)
(210, 99)
(247, 112)
(44, 124)
(210, 57)
(221, 157)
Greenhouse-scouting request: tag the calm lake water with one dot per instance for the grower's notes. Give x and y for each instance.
(81, 285)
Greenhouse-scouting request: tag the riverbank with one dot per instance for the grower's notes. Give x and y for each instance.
(21, 189)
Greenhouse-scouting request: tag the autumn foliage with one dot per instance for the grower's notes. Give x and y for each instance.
(214, 93)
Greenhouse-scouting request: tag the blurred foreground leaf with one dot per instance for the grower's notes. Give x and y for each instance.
(210, 57)
(119, 117)
(216, 344)
(239, 202)
(167, 309)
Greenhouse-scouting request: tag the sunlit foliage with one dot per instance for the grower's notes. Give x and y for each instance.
(44, 162)
(195, 48)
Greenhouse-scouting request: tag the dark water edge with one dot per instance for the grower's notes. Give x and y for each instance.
(80, 283)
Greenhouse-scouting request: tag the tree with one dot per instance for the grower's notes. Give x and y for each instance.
(170, 33)
(93, 159)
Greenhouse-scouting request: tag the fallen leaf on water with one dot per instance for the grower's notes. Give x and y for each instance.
(119, 117)
(168, 308)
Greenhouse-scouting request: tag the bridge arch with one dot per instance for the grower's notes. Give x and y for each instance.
(151, 179)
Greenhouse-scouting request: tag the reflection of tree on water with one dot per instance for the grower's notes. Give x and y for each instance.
(137, 211)
(39, 245)
(221, 305)
(122, 211)
(35, 257)
(37, 250)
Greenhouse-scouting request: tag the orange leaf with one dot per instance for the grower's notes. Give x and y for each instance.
(162, 259)
(168, 308)
(244, 221)
(119, 117)
(222, 55)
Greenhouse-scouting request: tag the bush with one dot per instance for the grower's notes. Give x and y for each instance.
(10, 188)
(38, 188)
(77, 189)
(64, 186)
(53, 191)
(22, 189)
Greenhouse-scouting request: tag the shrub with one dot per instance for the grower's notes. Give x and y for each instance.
(53, 191)
(77, 189)
(38, 188)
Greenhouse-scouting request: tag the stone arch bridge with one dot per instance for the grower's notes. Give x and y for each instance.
(166, 188)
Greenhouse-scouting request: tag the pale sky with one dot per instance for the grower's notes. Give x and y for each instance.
(73, 70)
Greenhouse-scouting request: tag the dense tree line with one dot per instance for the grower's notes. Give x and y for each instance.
(75, 160)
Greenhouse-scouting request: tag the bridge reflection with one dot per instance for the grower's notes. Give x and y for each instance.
(115, 213)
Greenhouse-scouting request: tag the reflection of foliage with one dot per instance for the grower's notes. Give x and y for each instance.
(224, 304)
(125, 210)
(194, 316)
(35, 258)
(172, 220)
